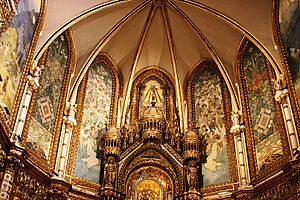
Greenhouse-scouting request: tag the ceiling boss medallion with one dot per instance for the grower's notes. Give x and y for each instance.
(159, 2)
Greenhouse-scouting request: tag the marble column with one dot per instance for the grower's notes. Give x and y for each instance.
(238, 130)
(282, 97)
(31, 85)
(69, 124)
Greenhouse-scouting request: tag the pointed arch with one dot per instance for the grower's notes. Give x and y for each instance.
(159, 157)
(42, 129)
(97, 101)
(162, 77)
(266, 141)
(208, 104)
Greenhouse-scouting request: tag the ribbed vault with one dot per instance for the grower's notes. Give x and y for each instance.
(173, 35)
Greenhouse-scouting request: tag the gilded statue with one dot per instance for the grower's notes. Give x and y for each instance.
(192, 176)
(110, 171)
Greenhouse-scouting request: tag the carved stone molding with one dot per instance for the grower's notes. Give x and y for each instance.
(2, 162)
(59, 189)
(110, 193)
(28, 187)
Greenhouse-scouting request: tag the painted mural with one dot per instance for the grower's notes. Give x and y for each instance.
(289, 19)
(43, 117)
(152, 90)
(95, 118)
(209, 114)
(14, 47)
(262, 109)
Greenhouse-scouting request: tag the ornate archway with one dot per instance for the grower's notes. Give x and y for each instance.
(151, 156)
(149, 183)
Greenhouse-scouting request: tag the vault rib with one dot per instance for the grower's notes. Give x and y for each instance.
(211, 50)
(174, 63)
(238, 27)
(41, 49)
(102, 43)
(136, 59)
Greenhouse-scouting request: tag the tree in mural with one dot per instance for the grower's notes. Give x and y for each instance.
(263, 115)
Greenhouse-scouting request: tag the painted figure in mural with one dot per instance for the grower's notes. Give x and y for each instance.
(96, 111)
(209, 113)
(110, 172)
(192, 176)
(152, 91)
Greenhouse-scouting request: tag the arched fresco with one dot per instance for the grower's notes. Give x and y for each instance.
(209, 114)
(49, 94)
(289, 21)
(263, 117)
(95, 120)
(266, 140)
(14, 47)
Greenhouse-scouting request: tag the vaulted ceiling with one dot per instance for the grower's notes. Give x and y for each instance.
(174, 35)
